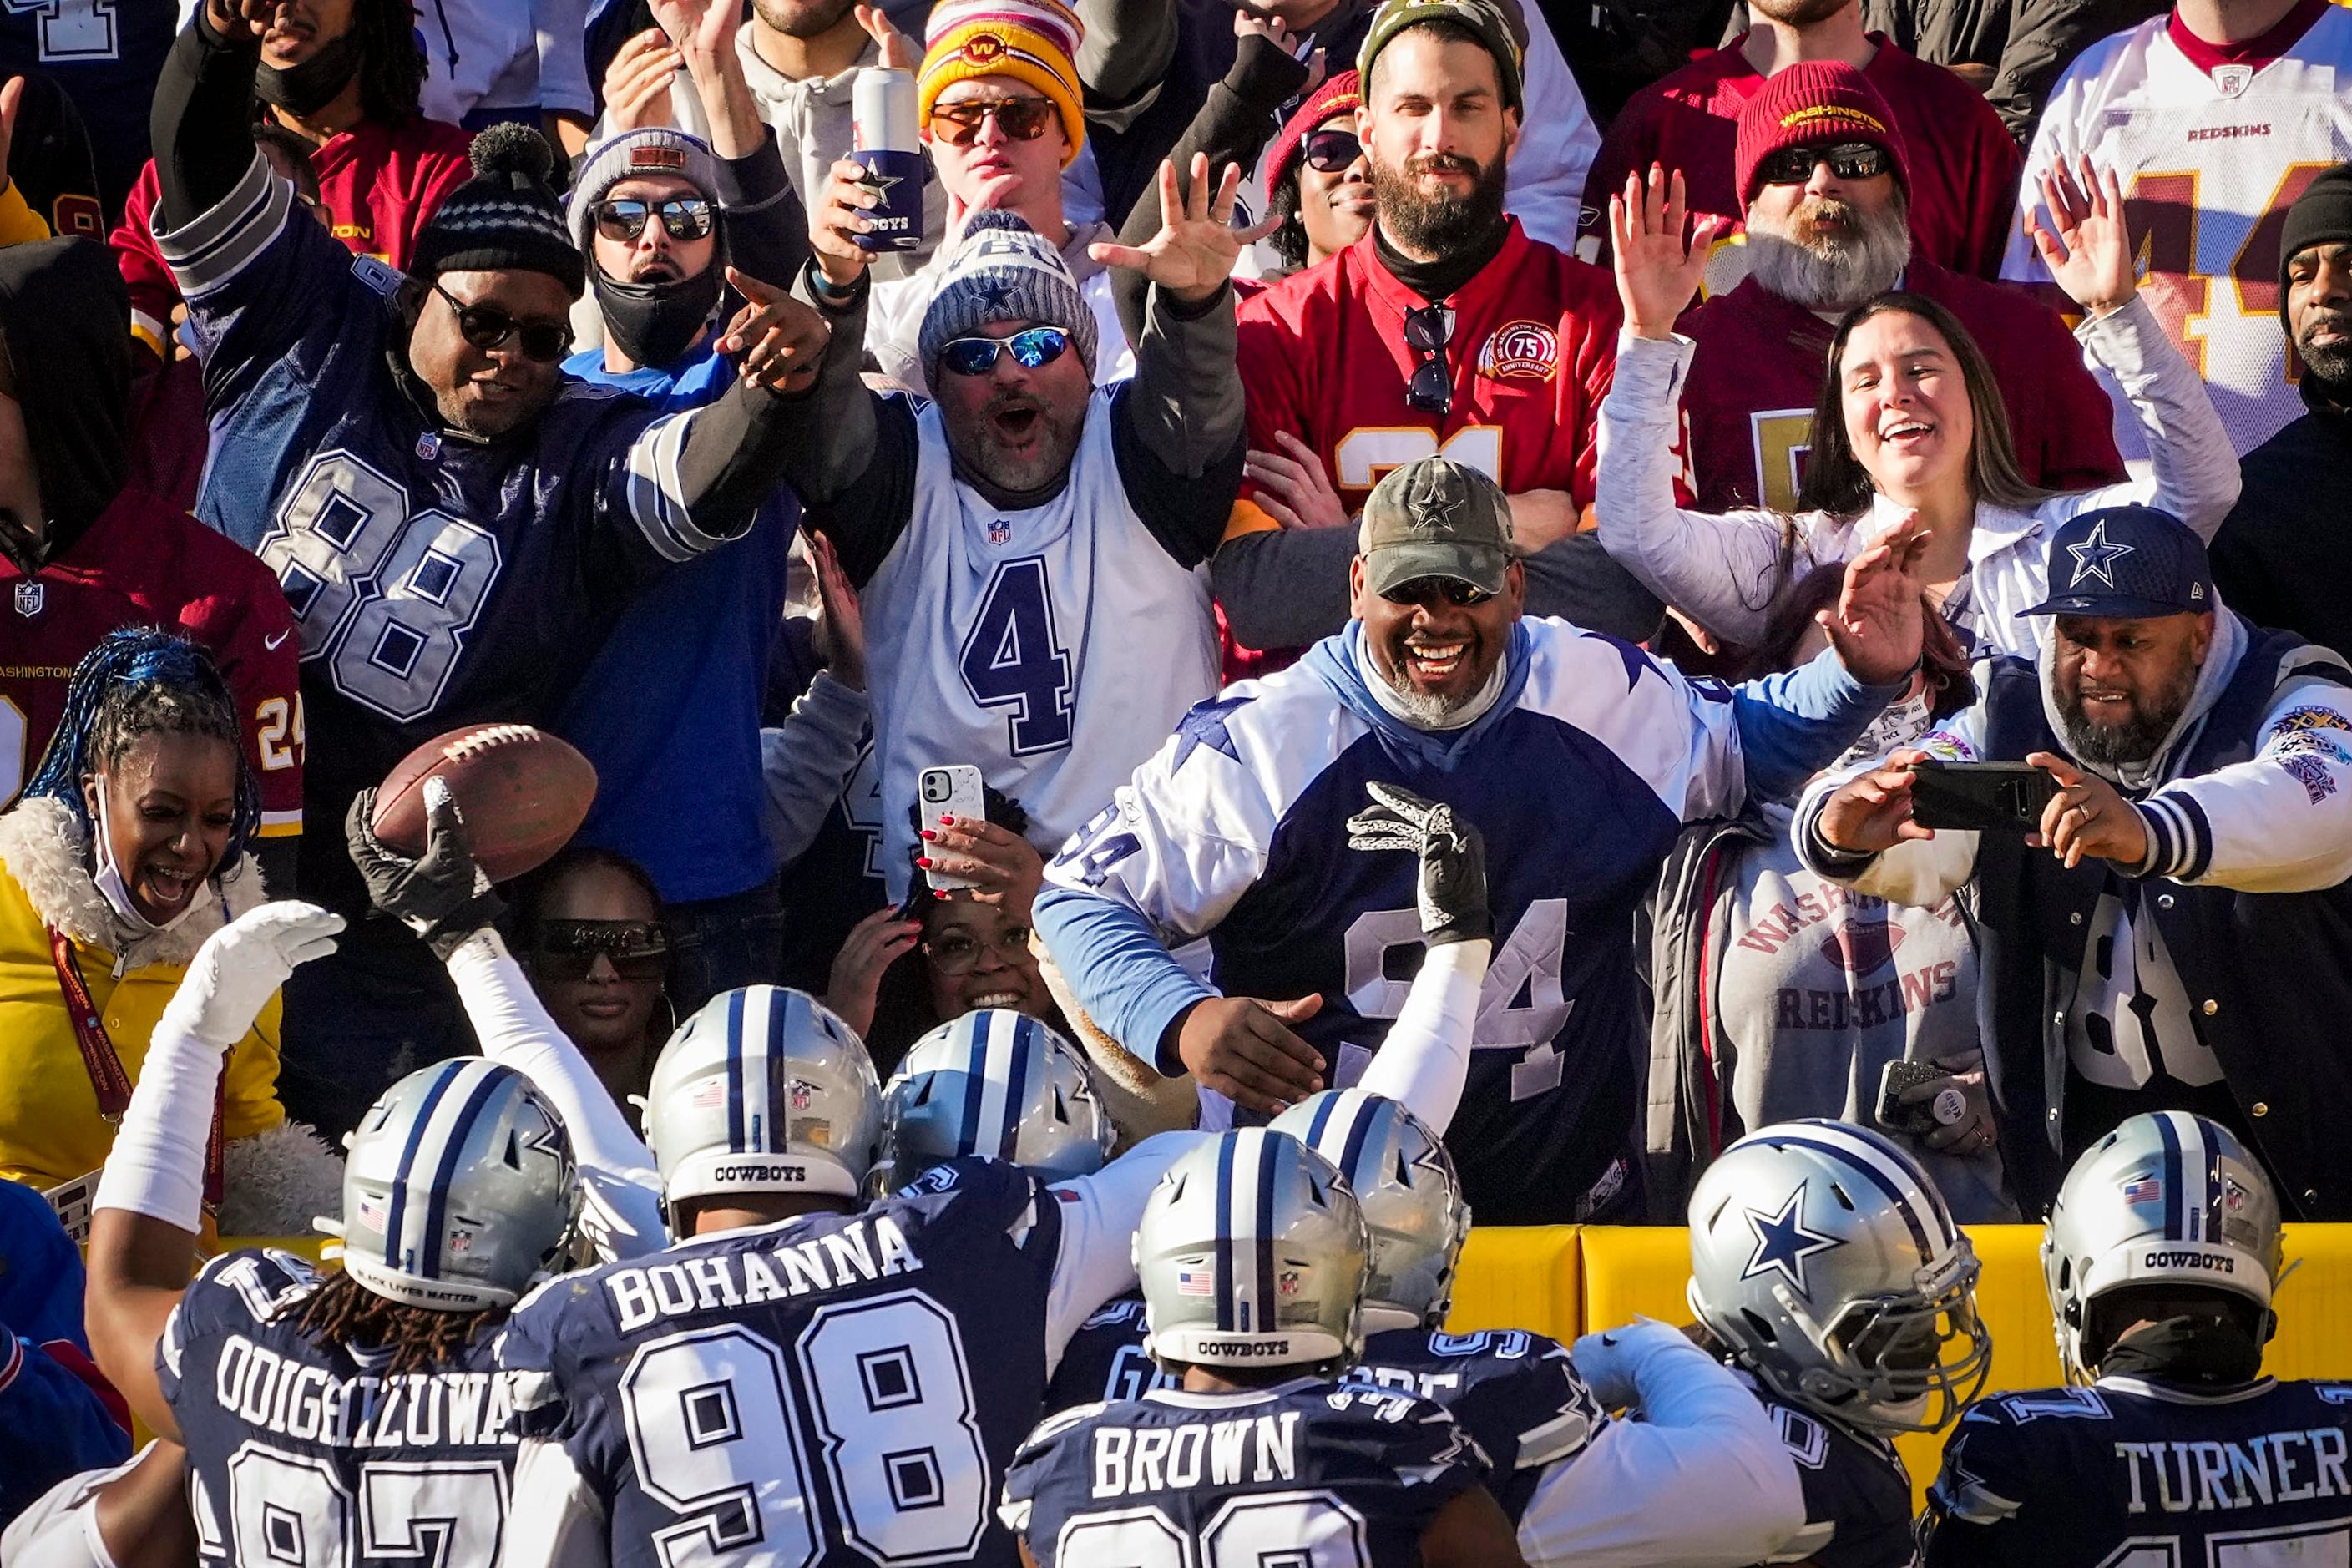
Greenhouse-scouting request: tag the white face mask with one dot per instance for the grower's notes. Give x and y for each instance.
(108, 874)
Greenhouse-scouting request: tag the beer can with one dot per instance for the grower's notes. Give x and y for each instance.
(882, 111)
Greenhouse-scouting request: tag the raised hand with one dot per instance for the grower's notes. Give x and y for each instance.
(1452, 889)
(775, 340)
(900, 52)
(1277, 32)
(1197, 245)
(2090, 252)
(1657, 273)
(638, 82)
(241, 966)
(873, 945)
(241, 22)
(1003, 866)
(1876, 624)
(841, 632)
(702, 28)
(442, 895)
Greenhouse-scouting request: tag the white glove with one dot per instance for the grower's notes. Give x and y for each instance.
(241, 966)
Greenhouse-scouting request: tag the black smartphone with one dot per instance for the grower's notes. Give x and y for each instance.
(1897, 1075)
(1988, 797)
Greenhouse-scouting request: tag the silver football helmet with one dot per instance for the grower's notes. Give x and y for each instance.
(763, 1090)
(458, 1189)
(1252, 1254)
(1825, 1258)
(995, 1082)
(2167, 1198)
(1404, 1182)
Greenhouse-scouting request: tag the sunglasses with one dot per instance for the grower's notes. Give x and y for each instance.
(1022, 119)
(487, 328)
(1428, 592)
(568, 950)
(1332, 152)
(1427, 331)
(682, 218)
(1034, 347)
(1847, 161)
(958, 954)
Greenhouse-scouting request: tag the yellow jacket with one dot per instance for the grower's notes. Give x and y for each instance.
(50, 1130)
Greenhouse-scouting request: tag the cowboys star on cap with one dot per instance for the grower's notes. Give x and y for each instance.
(2095, 556)
(1783, 1244)
(1435, 511)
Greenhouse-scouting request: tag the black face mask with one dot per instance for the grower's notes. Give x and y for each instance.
(2200, 1351)
(312, 85)
(655, 323)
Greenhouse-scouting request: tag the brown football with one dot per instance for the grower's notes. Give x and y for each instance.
(522, 791)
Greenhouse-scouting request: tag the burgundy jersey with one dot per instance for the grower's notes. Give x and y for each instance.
(1748, 407)
(1534, 341)
(144, 564)
(1963, 164)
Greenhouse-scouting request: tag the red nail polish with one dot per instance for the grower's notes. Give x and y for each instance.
(924, 861)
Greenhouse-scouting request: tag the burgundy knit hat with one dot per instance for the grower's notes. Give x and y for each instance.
(1816, 101)
(1337, 96)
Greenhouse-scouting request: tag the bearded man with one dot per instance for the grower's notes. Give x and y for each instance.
(1824, 175)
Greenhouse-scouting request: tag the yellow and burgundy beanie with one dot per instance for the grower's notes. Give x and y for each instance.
(1035, 41)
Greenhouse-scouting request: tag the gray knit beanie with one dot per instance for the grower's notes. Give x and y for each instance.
(1003, 270)
(655, 149)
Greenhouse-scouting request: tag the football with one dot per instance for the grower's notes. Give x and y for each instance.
(522, 791)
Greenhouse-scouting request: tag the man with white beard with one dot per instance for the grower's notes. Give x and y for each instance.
(1825, 178)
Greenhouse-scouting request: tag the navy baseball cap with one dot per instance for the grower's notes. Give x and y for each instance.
(2126, 562)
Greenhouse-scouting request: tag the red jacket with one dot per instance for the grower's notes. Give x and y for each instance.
(1964, 166)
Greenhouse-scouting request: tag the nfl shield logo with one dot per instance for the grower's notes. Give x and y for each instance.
(999, 532)
(30, 597)
(2230, 80)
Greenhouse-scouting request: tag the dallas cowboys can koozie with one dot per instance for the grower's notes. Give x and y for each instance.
(882, 111)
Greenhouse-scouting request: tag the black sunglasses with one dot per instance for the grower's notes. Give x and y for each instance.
(977, 356)
(1429, 592)
(1332, 152)
(567, 949)
(1847, 161)
(683, 217)
(487, 328)
(1427, 331)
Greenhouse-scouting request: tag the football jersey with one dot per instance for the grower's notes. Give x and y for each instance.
(2129, 1473)
(2211, 152)
(1308, 1473)
(1516, 1392)
(838, 1389)
(1963, 162)
(435, 581)
(106, 54)
(144, 564)
(1747, 405)
(304, 1453)
(1053, 647)
(1857, 1493)
(1324, 355)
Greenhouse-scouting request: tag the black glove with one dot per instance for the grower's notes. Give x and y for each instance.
(1453, 890)
(444, 898)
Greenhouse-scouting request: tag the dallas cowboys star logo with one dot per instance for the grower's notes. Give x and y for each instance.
(1435, 512)
(1783, 1244)
(2095, 556)
(1203, 724)
(878, 182)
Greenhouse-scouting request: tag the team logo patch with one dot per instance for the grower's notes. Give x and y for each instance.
(428, 446)
(2310, 719)
(2230, 81)
(1784, 1245)
(999, 532)
(669, 158)
(983, 47)
(1842, 114)
(31, 597)
(1287, 1283)
(801, 1094)
(1520, 351)
(2095, 556)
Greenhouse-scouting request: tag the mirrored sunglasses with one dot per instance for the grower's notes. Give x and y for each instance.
(682, 218)
(977, 356)
(1847, 161)
(567, 949)
(1428, 592)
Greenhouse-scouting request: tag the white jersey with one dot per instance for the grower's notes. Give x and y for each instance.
(2209, 161)
(1053, 649)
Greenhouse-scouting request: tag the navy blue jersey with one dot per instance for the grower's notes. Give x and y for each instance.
(1516, 1392)
(106, 54)
(299, 1455)
(435, 580)
(2133, 1474)
(1857, 1492)
(1309, 1473)
(835, 1390)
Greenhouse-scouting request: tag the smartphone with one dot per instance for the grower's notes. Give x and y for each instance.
(1988, 797)
(1897, 1075)
(954, 791)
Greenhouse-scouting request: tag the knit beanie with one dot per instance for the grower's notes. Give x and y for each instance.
(1003, 270)
(2321, 216)
(657, 150)
(505, 218)
(1811, 104)
(1035, 41)
(1338, 96)
(1496, 23)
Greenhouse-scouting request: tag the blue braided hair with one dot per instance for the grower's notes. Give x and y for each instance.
(143, 681)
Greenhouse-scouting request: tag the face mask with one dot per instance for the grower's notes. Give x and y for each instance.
(312, 85)
(108, 874)
(655, 323)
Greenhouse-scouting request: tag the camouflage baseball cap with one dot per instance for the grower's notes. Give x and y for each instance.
(1436, 517)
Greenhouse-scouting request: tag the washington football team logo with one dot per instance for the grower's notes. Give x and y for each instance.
(1520, 351)
(983, 47)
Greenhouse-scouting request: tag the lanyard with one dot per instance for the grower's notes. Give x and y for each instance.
(107, 1079)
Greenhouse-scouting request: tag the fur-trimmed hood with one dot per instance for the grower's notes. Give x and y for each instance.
(46, 850)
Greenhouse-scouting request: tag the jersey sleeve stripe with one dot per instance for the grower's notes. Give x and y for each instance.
(657, 493)
(281, 823)
(214, 246)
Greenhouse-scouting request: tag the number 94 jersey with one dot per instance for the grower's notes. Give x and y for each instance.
(830, 1391)
(1332, 1475)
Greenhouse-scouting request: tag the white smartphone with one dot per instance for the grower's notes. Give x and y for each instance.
(954, 792)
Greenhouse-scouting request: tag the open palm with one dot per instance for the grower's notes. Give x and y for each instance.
(704, 25)
(2088, 244)
(1197, 245)
(1657, 273)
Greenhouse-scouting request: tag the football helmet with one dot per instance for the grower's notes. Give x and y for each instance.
(995, 1082)
(1824, 1258)
(458, 1189)
(1404, 1182)
(2167, 1198)
(1252, 1253)
(763, 1090)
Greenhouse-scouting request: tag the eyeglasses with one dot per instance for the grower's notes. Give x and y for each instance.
(1430, 592)
(957, 953)
(1332, 152)
(1427, 331)
(682, 218)
(977, 356)
(487, 328)
(1847, 161)
(567, 949)
(1023, 118)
